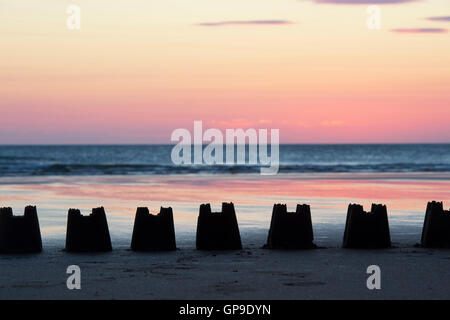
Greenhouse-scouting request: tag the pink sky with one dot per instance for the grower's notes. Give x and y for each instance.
(137, 70)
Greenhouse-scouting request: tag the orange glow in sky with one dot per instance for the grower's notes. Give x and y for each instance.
(137, 70)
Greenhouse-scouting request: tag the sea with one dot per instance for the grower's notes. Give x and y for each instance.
(94, 160)
(327, 177)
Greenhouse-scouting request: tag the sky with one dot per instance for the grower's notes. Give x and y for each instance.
(137, 70)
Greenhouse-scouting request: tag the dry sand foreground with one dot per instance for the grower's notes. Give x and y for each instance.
(253, 273)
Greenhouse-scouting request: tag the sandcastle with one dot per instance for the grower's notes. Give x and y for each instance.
(87, 233)
(436, 227)
(20, 234)
(153, 232)
(290, 230)
(218, 230)
(367, 230)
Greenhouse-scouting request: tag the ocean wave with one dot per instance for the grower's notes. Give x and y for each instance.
(143, 169)
(156, 160)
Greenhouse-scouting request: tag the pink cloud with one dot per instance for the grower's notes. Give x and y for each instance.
(420, 30)
(439, 18)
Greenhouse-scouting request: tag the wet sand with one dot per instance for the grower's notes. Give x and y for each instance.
(407, 272)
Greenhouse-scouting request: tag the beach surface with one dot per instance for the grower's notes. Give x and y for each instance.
(253, 273)
(407, 272)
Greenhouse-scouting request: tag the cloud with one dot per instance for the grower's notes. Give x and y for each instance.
(439, 19)
(364, 1)
(420, 30)
(243, 22)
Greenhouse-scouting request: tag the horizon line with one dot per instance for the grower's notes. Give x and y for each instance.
(205, 144)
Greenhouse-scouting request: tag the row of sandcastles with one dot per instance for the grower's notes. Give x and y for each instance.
(216, 230)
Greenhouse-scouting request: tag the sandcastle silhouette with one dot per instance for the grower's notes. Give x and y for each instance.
(367, 230)
(218, 230)
(87, 233)
(153, 232)
(436, 226)
(290, 230)
(20, 234)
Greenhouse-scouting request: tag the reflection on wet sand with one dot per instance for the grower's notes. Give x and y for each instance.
(253, 195)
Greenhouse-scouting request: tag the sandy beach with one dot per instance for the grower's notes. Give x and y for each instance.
(407, 272)
(253, 273)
